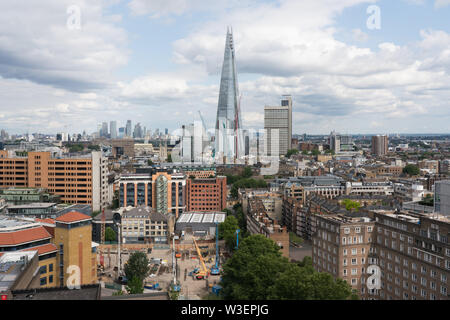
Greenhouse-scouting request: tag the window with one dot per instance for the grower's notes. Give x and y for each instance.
(357, 230)
(43, 281)
(354, 272)
(354, 251)
(354, 261)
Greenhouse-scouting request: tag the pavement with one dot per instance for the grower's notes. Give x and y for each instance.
(298, 253)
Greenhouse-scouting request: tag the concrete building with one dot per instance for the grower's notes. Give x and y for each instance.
(206, 194)
(22, 195)
(162, 190)
(113, 129)
(76, 179)
(278, 126)
(442, 197)
(380, 145)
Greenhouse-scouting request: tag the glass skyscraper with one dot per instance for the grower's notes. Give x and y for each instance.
(229, 143)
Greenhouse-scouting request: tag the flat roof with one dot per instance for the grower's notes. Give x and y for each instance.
(11, 267)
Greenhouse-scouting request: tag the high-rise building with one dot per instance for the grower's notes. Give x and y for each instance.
(137, 131)
(229, 143)
(278, 121)
(104, 129)
(379, 145)
(128, 132)
(122, 132)
(113, 129)
(335, 142)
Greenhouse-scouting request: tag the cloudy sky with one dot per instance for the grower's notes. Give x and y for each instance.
(67, 65)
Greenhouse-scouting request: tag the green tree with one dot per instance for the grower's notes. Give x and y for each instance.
(315, 152)
(291, 152)
(253, 269)
(411, 170)
(227, 231)
(94, 147)
(137, 266)
(169, 157)
(247, 173)
(351, 205)
(304, 152)
(135, 286)
(110, 235)
(149, 162)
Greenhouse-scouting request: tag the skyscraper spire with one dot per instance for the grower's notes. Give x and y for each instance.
(229, 135)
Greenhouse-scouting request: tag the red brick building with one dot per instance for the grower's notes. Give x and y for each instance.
(206, 194)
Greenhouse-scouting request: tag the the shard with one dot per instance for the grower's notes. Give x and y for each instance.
(229, 145)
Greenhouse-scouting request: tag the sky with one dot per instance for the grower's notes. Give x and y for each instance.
(352, 66)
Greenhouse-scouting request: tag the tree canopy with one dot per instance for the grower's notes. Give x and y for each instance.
(411, 170)
(110, 235)
(227, 231)
(291, 152)
(351, 205)
(258, 271)
(137, 266)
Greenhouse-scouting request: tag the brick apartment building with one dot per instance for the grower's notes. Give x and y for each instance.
(80, 179)
(412, 251)
(259, 222)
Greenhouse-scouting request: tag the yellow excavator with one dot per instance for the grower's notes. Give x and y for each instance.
(201, 274)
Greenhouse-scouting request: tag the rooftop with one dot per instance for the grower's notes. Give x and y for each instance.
(11, 266)
(72, 216)
(86, 292)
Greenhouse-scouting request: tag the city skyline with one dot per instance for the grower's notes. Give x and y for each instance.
(136, 59)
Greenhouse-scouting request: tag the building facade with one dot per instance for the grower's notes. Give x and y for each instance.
(77, 179)
(206, 194)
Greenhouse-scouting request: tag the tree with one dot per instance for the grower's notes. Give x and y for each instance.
(351, 205)
(247, 173)
(169, 157)
(411, 170)
(94, 147)
(149, 162)
(227, 231)
(304, 152)
(110, 235)
(137, 266)
(291, 152)
(135, 286)
(253, 269)
(315, 152)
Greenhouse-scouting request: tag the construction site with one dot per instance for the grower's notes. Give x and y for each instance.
(189, 266)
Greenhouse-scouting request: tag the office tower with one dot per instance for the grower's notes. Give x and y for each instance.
(166, 131)
(104, 130)
(80, 180)
(128, 132)
(122, 132)
(379, 145)
(278, 120)
(137, 131)
(229, 142)
(113, 129)
(442, 197)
